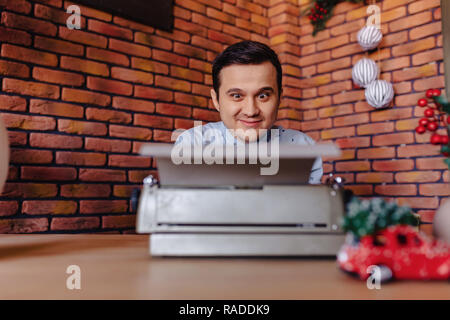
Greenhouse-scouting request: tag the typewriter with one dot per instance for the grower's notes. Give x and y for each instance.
(206, 209)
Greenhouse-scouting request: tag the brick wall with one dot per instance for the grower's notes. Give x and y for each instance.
(78, 104)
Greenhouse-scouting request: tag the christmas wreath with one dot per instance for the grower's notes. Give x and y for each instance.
(320, 11)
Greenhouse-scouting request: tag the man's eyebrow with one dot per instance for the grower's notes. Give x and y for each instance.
(260, 90)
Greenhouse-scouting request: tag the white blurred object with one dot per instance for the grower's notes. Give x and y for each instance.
(364, 72)
(369, 37)
(379, 93)
(4, 154)
(441, 222)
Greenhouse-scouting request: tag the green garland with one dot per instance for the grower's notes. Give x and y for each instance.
(320, 11)
(367, 217)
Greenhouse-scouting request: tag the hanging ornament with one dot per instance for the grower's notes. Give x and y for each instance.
(369, 37)
(379, 93)
(364, 72)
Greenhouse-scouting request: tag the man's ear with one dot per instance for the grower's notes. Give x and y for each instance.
(214, 100)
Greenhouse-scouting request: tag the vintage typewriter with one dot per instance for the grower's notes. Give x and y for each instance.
(232, 210)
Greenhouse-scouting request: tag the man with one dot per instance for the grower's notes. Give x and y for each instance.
(247, 90)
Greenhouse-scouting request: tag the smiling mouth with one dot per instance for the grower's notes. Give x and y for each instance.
(251, 123)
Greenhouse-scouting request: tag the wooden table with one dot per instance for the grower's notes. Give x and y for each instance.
(119, 267)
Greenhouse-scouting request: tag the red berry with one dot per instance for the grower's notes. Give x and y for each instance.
(420, 129)
(429, 93)
(423, 122)
(321, 16)
(444, 139)
(448, 120)
(435, 139)
(445, 154)
(432, 126)
(436, 92)
(422, 102)
(429, 112)
(325, 11)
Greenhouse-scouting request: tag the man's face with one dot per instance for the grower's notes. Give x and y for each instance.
(248, 97)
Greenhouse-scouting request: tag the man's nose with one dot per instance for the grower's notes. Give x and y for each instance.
(251, 109)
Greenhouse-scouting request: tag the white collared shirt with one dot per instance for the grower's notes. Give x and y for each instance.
(287, 136)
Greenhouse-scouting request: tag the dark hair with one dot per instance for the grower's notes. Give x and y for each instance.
(245, 52)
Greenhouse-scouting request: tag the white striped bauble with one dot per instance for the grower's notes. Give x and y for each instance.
(364, 72)
(379, 93)
(369, 37)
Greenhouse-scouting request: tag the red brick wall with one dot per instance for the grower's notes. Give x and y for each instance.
(78, 104)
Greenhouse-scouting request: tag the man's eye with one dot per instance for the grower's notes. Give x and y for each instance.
(236, 95)
(263, 95)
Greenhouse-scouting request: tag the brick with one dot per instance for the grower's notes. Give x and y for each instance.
(153, 121)
(424, 84)
(58, 77)
(90, 12)
(397, 190)
(136, 176)
(109, 29)
(107, 145)
(431, 163)
(314, 58)
(85, 190)
(149, 65)
(14, 69)
(83, 37)
(414, 47)
(84, 96)
(316, 124)
(424, 71)
(85, 66)
(335, 111)
(221, 16)
(109, 86)
(351, 26)
(133, 25)
(80, 158)
(152, 41)
(192, 5)
(360, 190)
(128, 161)
(200, 65)
(8, 208)
(332, 43)
(130, 132)
(354, 142)
(124, 191)
(190, 100)
(29, 55)
(107, 56)
(394, 64)
(17, 138)
(12, 103)
(48, 174)
(393, 165)
(58, 46)
(192, 28)
(49, 207)
(30, 88)
(29, 24)
(348, 96)
(20, 121)
(417, 176)
(337, 133)
(101, 175)
(213, 43)
(23, 225)
(55, 108)
(393, 139)
(29, 190)
(81, 127)
(128, 221)
(163, 136)
(374, 177)
(170, 57)
(153, 93)
(427, 56)
(351, 119)
(103, 206)
(407, 99)
(206, 115)
(30, 156)
(173, 110)
(55, 141)
(417, 151)
(206, 22)
(107, 115)
(14, 36)
(20, 6)
(172, 83)
(55, 15)
(391, 114)
(376, 153)
(434, 189)
(78, 223)
(426, 30)
(418, 6)
(185, 73)
(189, 51)
(133, 104)
(175, 35)
(353, 166)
